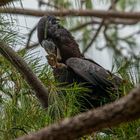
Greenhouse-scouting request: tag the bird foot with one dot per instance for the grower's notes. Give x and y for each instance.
(52, 60)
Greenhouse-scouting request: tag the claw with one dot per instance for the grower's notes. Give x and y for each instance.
(52, 60)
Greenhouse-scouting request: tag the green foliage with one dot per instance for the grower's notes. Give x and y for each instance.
(88, 4)
(127, 4)
(6, 32)
(20, 111)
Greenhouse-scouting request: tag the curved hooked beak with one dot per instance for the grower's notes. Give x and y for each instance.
(51, 48)
(52, 20)
(57, 20)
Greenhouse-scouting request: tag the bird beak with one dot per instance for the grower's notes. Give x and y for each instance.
(49, 46)
(57, 20)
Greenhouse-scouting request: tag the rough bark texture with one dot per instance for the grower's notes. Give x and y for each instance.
(95, 13)
(24, 69)
(123, 110)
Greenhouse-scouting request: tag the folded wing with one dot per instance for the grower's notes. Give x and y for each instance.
(93, 73)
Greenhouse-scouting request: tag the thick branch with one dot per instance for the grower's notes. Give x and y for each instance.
(23, 68)
(95, 13)
(123, 110)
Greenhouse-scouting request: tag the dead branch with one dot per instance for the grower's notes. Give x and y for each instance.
(30, 35)
(27, 73)
(99, 28)
(124, 110)
(32, 46)
(73, 12)
(108, 21)
(94, 37)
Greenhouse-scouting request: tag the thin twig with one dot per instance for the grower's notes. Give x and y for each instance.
(94, 37)
(32, 46)
(99, 28)
(30, 35)
(108, 21)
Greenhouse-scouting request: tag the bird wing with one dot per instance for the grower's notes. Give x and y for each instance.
(91, 72)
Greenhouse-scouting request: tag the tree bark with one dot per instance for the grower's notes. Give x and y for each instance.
(73, 12)
(25, 70)
(123, 110)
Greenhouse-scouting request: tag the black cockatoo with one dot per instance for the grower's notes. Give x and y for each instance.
(69, 65)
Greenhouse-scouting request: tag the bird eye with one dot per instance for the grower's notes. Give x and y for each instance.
(52, 20)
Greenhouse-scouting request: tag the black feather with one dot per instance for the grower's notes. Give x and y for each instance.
(79, 69)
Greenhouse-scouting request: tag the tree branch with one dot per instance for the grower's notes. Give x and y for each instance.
(32, 46)
(124, 110)
(107, 21)
(73, 12)
(30, 35)
(30, 77)
(94, 37)
(99, 28)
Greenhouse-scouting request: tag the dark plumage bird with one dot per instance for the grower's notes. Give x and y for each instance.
(69, 65)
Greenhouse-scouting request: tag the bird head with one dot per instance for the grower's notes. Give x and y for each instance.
(52, 20)
(52, 36)
(46, 23)
(45, 29)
